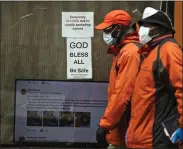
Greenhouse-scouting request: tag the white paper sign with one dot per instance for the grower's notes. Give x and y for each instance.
(58, 111)
(79, 59)
(77, 24)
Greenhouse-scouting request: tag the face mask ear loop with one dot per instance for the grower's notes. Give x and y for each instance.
(152, 38)
(120, 30)
(153, 35)
(113, 30)
(156, 34)
(120, 27)
(109, 32)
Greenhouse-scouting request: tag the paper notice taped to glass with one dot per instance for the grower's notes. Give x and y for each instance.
(170, 125)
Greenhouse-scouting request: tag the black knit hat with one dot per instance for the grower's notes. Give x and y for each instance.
(157, 17)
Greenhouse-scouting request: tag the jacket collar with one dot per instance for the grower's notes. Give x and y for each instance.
(147, 48)
(131, 37)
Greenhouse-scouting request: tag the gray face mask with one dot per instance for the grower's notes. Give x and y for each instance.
(144, 34)
(109, 40)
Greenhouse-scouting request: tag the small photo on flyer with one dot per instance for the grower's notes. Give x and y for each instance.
(66, 119)
(50, 118)
(23, 91)
(82, 119)
(34, 118)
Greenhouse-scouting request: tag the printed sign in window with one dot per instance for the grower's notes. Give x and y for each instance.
(77, 24)
(79, 58)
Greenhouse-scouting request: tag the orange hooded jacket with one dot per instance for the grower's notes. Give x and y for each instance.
(120, 89)
(157, 96)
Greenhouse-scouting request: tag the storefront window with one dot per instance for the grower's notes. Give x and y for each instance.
(32, 48)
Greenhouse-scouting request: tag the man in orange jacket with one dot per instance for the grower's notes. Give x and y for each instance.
(157, 101)
(122, 39)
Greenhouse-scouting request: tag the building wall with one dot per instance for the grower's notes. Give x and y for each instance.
(178, 17)
(32, 46)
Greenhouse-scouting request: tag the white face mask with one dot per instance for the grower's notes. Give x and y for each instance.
(144, 35)
(109, 39)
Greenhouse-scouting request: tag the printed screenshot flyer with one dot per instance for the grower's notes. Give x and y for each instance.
(59, 111)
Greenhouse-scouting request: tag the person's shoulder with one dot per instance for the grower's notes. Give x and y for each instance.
(170, 47)
(130, 49)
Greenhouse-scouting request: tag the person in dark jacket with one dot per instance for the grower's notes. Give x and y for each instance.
(157, 96)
